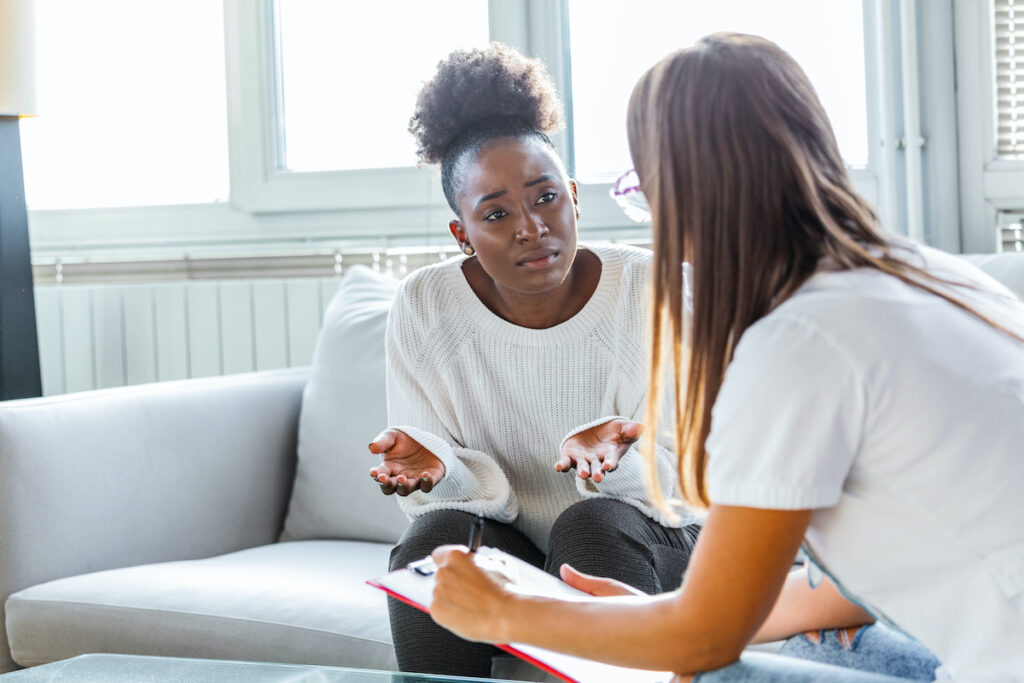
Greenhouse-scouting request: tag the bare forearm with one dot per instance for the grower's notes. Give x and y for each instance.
(801, 608)
(652, 633)
(735, 575)
(737, 569)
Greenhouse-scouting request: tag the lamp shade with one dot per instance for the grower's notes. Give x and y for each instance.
(17, 58)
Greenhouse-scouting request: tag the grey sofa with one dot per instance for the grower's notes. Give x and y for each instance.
(135, 476)
(146, 520)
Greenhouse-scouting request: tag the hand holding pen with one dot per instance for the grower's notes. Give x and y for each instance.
(470, 598)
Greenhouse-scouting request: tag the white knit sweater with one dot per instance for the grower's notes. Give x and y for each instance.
(494, 400)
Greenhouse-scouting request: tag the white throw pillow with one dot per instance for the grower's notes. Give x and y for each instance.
(344, 406)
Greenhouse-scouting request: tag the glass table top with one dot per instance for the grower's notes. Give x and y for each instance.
(104, 668)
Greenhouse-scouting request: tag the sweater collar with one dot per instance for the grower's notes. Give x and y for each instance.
(598, 308)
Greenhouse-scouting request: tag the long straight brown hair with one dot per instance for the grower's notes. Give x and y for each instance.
(746, 184)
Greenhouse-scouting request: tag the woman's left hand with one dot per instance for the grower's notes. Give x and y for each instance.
(468, 600)
(596, 451)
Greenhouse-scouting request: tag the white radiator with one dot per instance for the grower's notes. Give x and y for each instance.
(98, 336)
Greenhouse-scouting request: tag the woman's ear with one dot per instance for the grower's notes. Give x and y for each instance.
(575, 197)
(459, 233)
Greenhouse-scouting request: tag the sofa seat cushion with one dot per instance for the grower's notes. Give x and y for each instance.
(299, 602)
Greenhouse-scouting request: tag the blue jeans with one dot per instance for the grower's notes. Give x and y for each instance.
(877, 654)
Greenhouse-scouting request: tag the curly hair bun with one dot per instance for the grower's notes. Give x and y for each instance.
(471, 86)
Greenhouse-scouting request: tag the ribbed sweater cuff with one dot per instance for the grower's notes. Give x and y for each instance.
(477, 486)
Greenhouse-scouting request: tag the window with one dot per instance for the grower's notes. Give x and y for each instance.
(323, 95)
(610, 50)
(319, 94)
(350, 72)
(843, 45)
(126, 116)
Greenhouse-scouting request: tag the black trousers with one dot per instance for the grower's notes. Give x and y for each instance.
(598, 536)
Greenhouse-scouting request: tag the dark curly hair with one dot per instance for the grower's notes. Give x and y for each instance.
(478, 96)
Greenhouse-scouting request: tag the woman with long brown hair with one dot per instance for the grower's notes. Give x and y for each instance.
(842, 389)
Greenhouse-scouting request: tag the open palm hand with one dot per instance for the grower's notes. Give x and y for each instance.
(405, 464)
(596, 451)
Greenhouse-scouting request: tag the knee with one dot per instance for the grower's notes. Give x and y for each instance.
(591, 518)
(594, 536)
(428, 532)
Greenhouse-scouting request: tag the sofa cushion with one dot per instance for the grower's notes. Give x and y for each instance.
(1008, 268)
(344, 407)
(301, 602)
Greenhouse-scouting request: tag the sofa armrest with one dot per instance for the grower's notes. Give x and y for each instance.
(151, 473)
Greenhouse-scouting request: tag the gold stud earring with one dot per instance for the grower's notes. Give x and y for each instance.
(468, 250)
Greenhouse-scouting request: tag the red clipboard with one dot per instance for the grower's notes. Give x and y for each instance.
(416, 589)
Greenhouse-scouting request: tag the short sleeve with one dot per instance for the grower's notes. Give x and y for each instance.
(788, 420)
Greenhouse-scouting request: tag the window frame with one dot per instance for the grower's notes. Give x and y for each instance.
(259, 184)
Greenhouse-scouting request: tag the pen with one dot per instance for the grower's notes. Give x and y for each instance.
(476, 534)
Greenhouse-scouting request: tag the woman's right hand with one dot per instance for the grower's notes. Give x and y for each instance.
(405, 464)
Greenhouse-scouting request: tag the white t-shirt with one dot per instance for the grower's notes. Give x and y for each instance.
(898, 418)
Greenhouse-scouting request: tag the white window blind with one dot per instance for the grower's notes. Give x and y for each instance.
(1012, 229)
(1009, 43)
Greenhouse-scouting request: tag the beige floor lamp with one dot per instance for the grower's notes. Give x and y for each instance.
(19, 347)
